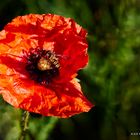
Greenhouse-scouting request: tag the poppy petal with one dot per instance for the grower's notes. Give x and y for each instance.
(51, 32)
(73, 55)
(14, 90)
(61, 101)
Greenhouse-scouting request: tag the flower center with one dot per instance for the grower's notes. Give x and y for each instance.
(42, 65)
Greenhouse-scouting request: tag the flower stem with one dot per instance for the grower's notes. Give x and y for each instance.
(24, 125)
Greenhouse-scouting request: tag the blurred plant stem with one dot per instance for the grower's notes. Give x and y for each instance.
(45, 131)
(24, 125)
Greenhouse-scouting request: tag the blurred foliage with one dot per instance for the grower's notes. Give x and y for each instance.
(111, 79)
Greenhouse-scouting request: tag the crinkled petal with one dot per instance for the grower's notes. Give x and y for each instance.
(51, 32)
(73, 57)
(14, 90)
(12, 65)
(62, 101)
(58, 102)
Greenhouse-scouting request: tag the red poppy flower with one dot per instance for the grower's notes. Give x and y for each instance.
(39, 58)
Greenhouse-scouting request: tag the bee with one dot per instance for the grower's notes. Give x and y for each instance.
(48, 61)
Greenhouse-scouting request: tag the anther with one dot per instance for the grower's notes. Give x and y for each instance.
(43, 64)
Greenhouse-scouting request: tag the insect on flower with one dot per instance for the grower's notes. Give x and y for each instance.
(40, 56)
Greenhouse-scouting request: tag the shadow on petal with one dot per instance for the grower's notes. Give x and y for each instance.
(16, 65)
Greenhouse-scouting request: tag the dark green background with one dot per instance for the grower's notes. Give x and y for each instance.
(111, 80)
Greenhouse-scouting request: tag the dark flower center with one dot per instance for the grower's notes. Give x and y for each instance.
(42, 65)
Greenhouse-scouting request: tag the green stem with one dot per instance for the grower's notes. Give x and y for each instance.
(24, 125)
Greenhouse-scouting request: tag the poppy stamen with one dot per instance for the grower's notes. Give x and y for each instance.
(42, 65)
